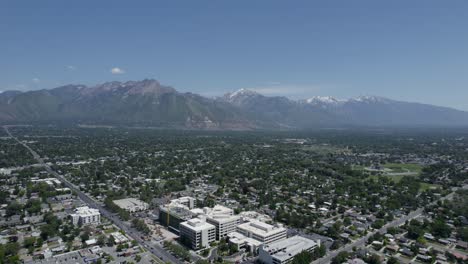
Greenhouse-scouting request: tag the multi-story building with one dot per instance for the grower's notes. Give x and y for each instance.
(223, 219)
(186, 201)
(262, 232)
(85, 216)
(284, 251)
(197, 233)
(240, 241)
(171, 215)
(131, 204)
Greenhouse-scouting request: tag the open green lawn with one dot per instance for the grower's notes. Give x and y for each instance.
(426, 186)
(398, 172)
(397, 168)
(404, 167)
(358, 167)
(324, 149)
(396, 178)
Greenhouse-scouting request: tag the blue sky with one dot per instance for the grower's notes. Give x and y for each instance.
(408, 50)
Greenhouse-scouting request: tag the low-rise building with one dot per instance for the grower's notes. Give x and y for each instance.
(119, 238)
(262, 232)
(85, 216)
(285, 250)
(65, 258)
(197, 233)
(131, 204)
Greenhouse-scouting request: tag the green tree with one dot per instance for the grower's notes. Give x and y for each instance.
(101, 240)
(373, 259)
(340, 258)
(392, 260)
(137, 258)
(304, 257)
(440, 229)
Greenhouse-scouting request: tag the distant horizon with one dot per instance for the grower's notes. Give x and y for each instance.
(249, 89)
(413, 51)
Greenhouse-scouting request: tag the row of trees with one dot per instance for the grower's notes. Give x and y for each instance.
(141, 226)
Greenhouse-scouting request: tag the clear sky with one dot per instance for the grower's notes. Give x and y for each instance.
(412, 50)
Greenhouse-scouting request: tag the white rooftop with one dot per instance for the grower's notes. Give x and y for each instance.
(219, 210)
(183, 199)
(238, 238)
(86, 211)
(197, 211)
(130, 202)
(249, 215)
(286, 248)
(197, 224)
(261, 228)
(220, 214)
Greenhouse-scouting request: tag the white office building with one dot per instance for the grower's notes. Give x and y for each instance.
(186, 201)
(197, 233)
(241, 241)
(223, 219)
(131, 204)
(85, 216)
(285, 250)
(262, 232)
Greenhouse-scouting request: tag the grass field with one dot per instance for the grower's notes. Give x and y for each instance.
(395, 169)
(396, 178)
(324, 149)
(398, 171)
(424, 186)
(404, 167)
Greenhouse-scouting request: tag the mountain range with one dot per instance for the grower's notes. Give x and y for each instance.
(148, 103)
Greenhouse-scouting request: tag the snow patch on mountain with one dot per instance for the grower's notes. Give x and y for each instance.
(323, 100)
(242, 92)
(369, 99)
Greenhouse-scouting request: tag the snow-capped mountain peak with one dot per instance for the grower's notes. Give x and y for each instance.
(242, 92)
(369, 99)
(323, 100)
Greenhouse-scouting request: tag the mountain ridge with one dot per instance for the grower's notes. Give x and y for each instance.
(148, 102)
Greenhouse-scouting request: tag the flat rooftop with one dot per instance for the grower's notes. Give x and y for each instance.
(86, 211)
(238, 238)
(197, 224)
(284, 249)
(177, 210)
(261, 228)
(129, 202)
(219, 210)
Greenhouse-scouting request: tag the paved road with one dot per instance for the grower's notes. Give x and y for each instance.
(156, 250)
(362, 241)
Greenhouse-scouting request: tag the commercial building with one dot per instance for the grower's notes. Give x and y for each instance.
(119, 238)
(171, 215)
(85, 216)
(197, 233)
(262, 232)
(240, 241)
(223, 219)
(187, 201)
(131, 204)
(285, 250)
